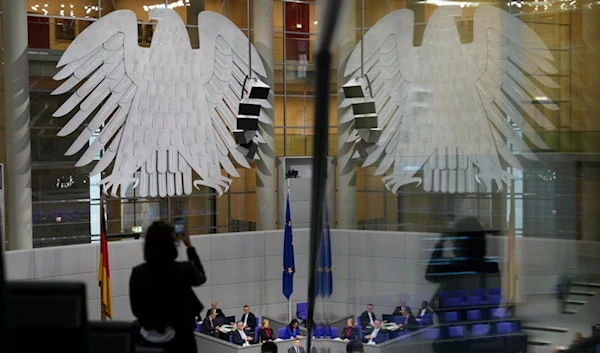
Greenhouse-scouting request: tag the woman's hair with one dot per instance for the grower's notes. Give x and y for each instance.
(159, 247)
(264, 321)
(351, 319)
(294, 321)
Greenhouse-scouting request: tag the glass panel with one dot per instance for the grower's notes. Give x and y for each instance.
(298, 141)
(299, 111)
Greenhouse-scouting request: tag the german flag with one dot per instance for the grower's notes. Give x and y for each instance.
(103, 267)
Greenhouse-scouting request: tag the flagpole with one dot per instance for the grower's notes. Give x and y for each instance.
(290, 298)
(102, 306)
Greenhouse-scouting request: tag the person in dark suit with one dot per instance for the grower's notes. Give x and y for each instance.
(349, 332)
(161, 295)
(376, 336)
(209, 327)
(367, 318)
(400, 309)
(248, 319)
(214, 309)
(410, 323)
(240, 337)
(292, 330)
(424, 309)
(265, 333)
(297, 348)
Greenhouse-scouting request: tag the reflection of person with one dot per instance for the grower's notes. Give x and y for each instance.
(297, 348)
(265, 333)
(349, 332)
(161, 295)
(468, 269)
(293, 330)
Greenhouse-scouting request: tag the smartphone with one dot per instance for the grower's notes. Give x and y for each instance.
(179, 227)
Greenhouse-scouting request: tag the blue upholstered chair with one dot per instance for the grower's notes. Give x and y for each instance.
(456, 331)
(474, 315)
(480, 329)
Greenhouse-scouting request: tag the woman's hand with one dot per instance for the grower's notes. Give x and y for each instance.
(186, 239)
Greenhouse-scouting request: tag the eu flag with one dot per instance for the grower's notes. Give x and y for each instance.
(324, 275)
(289, 268)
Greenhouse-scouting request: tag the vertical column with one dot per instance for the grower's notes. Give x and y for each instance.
(266, 203)
(18, 142)
(346, 166)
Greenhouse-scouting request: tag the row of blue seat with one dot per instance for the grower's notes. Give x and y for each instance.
(474, 330)
(472, 301)
(474, 315)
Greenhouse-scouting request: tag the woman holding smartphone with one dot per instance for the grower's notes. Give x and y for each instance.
(160, 291)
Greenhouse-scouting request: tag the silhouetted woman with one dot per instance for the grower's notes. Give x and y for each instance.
(161, 295)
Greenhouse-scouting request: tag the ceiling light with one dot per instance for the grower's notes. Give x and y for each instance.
(316, 22)
(298, 25)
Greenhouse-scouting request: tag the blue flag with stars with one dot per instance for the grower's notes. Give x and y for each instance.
(289, 267)
(324, 274)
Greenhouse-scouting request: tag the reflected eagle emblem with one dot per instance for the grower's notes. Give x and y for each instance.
(165, 111)
(453, 111)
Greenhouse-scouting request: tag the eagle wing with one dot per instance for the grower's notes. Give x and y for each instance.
(100, 61)
(224, 73)
(512, 84)
(386, 46)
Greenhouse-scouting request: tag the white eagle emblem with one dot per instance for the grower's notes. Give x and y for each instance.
(451, 109)
(167, 111)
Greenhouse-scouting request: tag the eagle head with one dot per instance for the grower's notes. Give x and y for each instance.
(158, 14)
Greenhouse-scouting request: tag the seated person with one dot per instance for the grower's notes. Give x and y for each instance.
(410, 323)
(265, 333)
(399, 309)
(367, 318)
(248, 319)
(293, 330)
(350, 332)
(209, 326)
(377, 336)
(424, 310)
(215, 310)
(239, 336)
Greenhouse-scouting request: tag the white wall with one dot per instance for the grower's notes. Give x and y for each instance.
(245, 268)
